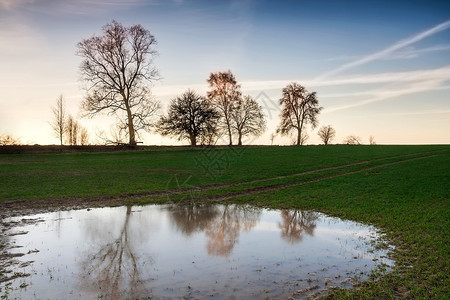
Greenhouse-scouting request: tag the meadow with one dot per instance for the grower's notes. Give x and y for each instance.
(403, 190)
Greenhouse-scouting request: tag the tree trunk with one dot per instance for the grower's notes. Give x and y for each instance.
(193, 140)
(240, 139)
(299, 137)
(229, 132)
(130, 126)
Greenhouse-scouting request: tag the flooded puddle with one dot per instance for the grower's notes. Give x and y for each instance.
(191, 251)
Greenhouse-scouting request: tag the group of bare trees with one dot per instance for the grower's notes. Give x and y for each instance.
(118, 70)
(327, 134)
(8, 140)
(65, 127)
(223, 111)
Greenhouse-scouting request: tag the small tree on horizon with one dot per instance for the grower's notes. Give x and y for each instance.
(58, 123)
(326, 134)
(272, 137)
(247, 118)
(352, 140)
(84, 136)
(299, 108)
(191, 117)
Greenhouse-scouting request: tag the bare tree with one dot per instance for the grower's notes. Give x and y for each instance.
(7, 139)
(326, 134)
(75, 130)
(272, 137)
(84, 136)
(118, 68)
(224, 92)
(352, 140)
(299, 107)
(247, 118)
(69, 126)
(59, 118)
(372, 140)
(190, 117)
(116, 136)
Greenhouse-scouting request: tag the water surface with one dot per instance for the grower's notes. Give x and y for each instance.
(191, 251)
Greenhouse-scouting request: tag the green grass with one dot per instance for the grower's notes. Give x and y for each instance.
(403, 190)
(82, 175)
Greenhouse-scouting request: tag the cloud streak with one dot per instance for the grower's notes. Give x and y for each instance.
(389, 50)
(382, 95)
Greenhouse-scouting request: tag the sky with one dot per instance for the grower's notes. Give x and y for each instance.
(380, 68)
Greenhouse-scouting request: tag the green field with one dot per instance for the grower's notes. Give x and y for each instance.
(403, 190)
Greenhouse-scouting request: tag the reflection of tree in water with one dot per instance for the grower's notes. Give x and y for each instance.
(192, 217)
(295, 223)
(220, 223)
(223, 231)
(114, 269)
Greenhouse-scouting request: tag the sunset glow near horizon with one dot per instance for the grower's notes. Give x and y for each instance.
(380, 68)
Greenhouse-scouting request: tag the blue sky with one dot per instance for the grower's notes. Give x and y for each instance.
(380, 68)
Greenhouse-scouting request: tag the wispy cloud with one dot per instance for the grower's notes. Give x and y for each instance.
(398, 79)
(409, 52)
(376, 78)
(389, 50)
(412, 52)
(420, 113)
(385, 94)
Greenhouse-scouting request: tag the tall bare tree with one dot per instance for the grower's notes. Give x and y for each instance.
(299, 107)
(59, 119)
(190, 117)
(69, 129)
(224, 92)
(247, 118)
(75, 131)
(326, 134)
(118, 68)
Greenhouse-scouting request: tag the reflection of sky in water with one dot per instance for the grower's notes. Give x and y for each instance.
(197, 251)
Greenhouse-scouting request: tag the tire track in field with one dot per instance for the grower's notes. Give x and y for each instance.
(29, 207)
(284, 185)
(22, 207)
(230, 184)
